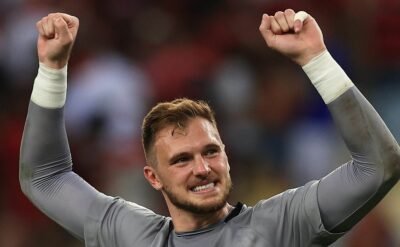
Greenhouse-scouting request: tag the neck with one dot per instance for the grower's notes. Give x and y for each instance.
(187, 221)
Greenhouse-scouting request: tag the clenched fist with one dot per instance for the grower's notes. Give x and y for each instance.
(57, 33)
(297, 36)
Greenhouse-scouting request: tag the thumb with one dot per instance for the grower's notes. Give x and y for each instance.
(299, 18)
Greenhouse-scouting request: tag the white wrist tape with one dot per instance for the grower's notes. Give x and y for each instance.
(50, 87)
(327, 76)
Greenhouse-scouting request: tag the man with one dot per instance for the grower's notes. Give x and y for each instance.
(186, 160)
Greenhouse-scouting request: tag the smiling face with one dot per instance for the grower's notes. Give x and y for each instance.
(192, 168)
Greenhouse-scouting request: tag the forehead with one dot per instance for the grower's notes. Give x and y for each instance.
(197, 132)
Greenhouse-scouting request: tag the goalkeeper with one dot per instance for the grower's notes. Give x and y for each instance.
(187, 163)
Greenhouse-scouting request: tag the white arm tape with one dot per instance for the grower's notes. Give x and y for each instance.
(50, 87)
(327, 76)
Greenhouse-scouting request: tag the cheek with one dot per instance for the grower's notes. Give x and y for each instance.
(175, 176)
(226, 162)
(164, 177)
(221, 164)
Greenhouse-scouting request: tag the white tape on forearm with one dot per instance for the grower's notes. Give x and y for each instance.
(327, 76)
(301, 15)
(50, 87)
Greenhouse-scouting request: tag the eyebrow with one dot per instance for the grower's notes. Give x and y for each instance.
(212, 145)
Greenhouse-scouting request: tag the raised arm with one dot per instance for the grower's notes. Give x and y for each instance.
(46, 175)
(351, 191)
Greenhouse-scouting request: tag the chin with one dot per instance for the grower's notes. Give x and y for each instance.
(203, 207)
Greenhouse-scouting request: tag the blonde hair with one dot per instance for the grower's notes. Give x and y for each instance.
(176, 112)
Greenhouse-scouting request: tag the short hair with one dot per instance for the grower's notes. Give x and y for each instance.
(176, 112)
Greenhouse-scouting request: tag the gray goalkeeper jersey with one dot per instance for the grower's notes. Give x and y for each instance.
(313, 215)
(288, 219)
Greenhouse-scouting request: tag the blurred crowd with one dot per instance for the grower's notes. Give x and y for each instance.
(131, 54)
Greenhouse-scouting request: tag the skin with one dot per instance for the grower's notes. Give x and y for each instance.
(186, 158)
(57, 34)
(299, 41)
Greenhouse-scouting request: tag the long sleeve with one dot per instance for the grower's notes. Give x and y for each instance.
(351, 191)
(46, 175)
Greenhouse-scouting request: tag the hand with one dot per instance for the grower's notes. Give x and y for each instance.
(299, 40)
(57, 33)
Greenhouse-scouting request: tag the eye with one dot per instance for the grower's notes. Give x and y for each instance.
(211, 152)
(180, 160)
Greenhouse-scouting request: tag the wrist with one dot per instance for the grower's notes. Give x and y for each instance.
(305, 59)
(50, 87)
(327, 76)
(53, 64)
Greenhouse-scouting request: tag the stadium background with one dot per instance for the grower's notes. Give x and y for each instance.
(131, 54)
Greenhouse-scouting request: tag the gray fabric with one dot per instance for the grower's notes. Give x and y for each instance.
(46, 175)
(297, 217)
(288, 219)
(352, 190)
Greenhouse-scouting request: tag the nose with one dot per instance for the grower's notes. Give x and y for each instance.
(201, 167)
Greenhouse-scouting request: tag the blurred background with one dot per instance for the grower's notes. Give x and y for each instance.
(131, 54)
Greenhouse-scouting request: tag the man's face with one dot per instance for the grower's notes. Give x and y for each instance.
(192, 167)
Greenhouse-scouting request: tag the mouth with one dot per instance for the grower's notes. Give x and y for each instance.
(203, 188)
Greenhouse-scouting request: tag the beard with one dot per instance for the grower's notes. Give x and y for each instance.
(199, 208)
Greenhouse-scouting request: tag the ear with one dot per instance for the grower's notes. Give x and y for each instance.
(151, 175)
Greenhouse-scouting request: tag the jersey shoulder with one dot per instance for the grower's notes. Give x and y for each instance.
(114, 221)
